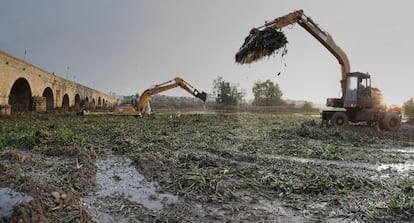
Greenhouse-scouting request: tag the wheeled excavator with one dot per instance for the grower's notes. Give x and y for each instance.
(143, 105)
(359, 101)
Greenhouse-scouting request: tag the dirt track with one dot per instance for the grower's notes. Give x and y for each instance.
(204, 168)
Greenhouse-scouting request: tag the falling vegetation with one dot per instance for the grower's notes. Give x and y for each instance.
(221, 167)
(261, 43)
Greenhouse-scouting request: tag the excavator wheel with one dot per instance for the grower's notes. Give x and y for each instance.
(339, 119)
(391, 122)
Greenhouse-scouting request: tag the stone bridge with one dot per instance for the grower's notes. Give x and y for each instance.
(25, 87)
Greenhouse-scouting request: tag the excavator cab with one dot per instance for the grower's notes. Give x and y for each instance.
(358, 91)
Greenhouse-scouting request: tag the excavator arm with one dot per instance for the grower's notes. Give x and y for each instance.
(322, 36)
(361, 102)
(143, 102)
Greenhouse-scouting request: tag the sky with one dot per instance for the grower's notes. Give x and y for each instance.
(127, 46)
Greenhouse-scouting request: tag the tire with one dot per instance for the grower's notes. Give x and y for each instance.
(391, 122)
(339, 119)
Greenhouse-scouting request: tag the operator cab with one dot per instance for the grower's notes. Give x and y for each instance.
(358, 91)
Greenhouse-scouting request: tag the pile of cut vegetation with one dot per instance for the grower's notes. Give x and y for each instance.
(261, 43)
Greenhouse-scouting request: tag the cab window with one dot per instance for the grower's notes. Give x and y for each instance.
(351, 89)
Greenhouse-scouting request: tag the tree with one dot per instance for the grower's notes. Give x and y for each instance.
(267, 93)
(307, 106)
(408, 109)
(226, 93)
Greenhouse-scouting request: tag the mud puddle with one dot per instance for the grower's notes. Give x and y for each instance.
(407, 150)
(377, 170)
(400, 168)
(10, 198)
(279, 212)
(117, 177)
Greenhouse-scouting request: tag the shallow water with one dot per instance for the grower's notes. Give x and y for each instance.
(118, 177)
(10, 198)
(399, 167)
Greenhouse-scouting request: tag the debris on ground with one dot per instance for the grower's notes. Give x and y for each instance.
(217, 167)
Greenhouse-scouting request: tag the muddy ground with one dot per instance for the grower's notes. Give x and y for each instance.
(203, 168)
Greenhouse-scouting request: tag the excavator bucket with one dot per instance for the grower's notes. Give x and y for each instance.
(202, 95)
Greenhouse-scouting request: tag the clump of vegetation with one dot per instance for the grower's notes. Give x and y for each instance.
(261, 43)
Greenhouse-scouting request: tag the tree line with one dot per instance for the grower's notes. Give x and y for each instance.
(266, 93)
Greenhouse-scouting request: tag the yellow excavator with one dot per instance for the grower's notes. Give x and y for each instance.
(143, 106)
(359, 101)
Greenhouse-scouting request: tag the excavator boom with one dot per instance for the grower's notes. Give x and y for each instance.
(322, 36)
(143, 103)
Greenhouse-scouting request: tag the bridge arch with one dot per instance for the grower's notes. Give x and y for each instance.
(77, 101)
(50, 102)
(99, 102)
(65, 102)
(20, 96)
